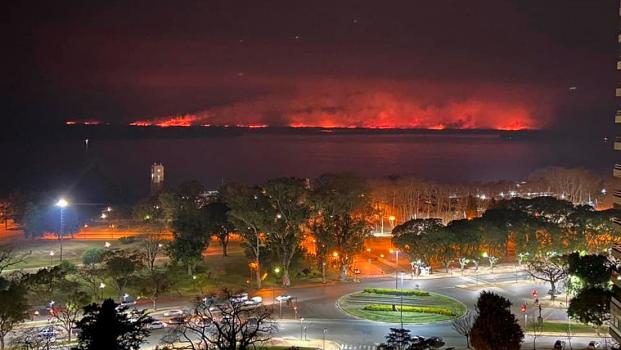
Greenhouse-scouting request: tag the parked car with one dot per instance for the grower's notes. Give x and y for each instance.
(593, 345)
(157, 324)
(49, 333)
(238, 298)
(176, 320)
(558, 345)
(172, 313)
(284, 298)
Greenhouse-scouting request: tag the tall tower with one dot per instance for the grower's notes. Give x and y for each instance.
(615, 302)
(157, 177)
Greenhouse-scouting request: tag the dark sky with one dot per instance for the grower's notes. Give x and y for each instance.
(436, 64)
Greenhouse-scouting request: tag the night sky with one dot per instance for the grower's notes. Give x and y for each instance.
(425, 64)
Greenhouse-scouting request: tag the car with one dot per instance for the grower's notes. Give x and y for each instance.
(172, 313)
(284, 298)
(558, 345)
(176, 320)
(49, 333)
(238, 298)
(157, 324)
(593, 345)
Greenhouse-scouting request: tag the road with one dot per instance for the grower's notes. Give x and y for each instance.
(318, 306)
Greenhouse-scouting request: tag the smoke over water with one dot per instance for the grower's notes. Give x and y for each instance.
(338, 106)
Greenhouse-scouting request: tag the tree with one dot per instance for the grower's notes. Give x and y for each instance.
(191, 233)
(220, 225)
(341, 210)
(412, 237)
(593, 270)
(44, 217)
(13, 308)
(550, 268)
(247, 206)
(495, 328)
(591, 306)
(399, 338)
(286, 213)
(121, 266)
(69, 303)
(230, 325)
(92, 256)
(9, 257)
(103, 327)
(154, 283)
(464, 324)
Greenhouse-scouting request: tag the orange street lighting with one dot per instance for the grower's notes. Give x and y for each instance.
(368, 250)
(335, 254)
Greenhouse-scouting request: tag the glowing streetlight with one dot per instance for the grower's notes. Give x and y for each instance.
(101, 288)
(103, 215)
(62, 204)
(107, 244)
(277, 270)
(51, 256)
(335, 254)
(392, 221)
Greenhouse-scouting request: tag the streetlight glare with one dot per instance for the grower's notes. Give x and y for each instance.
(62, 203)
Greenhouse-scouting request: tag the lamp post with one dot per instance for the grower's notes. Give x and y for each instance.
(301, 327)
(62, 204)
(396, 251)
(101, 287)
(325, 330)
(392, 221)
(51, 257)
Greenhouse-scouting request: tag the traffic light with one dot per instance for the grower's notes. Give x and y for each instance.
(534, 293)
(523, 308)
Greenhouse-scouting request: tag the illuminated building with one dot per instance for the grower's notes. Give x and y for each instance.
(615, 303)
(157, 177)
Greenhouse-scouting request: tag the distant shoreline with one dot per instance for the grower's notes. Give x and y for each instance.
(80, 131)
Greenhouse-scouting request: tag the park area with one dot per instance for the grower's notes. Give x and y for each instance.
(395, 305)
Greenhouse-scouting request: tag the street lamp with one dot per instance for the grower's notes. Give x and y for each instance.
(62, 204)
(392, 221)
(51, 256)
(325, 330)
(396, 251)
(101, 287)
(301, 327)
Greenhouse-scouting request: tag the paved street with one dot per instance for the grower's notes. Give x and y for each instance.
(318, 305)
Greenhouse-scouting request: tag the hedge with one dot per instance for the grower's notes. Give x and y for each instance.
(390, 291)
(409, 308)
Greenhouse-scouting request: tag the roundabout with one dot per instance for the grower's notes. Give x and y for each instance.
(407, 306)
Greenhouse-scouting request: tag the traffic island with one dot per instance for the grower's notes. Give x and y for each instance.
(394, 306)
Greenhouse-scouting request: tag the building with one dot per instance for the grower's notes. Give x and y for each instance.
(615, 303)
(157, 177)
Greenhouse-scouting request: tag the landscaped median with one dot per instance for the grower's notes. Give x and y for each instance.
(390, 305)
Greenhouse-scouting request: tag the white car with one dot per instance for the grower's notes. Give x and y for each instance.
(173, 313)
(284, 298)
(252, 303)
(157, 324)
(49, 333)
(239, 298)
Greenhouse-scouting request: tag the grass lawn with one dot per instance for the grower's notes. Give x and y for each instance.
(561, 327)
(355, 304)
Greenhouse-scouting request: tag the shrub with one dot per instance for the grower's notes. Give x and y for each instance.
(410, 308)
(92, 256)
(390, 291)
